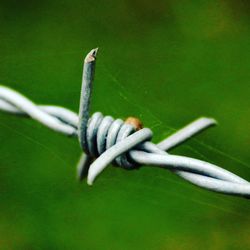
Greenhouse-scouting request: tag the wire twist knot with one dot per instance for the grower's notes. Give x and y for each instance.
(103, 132)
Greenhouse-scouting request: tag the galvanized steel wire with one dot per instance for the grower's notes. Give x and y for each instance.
(106, 140)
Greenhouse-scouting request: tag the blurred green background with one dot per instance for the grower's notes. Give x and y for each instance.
(167, 62)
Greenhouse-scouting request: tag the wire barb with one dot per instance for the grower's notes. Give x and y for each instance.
(106, 140)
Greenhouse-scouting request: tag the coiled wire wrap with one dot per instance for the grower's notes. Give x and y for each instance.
(107, 140)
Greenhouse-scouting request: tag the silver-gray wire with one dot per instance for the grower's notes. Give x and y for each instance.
(107, 140)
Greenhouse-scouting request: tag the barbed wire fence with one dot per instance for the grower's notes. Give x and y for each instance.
(105, 140)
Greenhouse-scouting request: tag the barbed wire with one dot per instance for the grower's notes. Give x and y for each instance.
(105, 140)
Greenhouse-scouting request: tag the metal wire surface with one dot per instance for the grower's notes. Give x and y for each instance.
(106, 140)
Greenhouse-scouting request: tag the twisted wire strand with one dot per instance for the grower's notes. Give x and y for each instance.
(56, 118)
(107, 140)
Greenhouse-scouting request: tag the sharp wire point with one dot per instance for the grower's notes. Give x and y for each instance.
(105, 140)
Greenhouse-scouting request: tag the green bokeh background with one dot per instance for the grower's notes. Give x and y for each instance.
(167, 62)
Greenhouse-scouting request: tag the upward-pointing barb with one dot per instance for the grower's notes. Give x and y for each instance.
(85, 97)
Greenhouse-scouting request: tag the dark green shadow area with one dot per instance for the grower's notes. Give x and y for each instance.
(167, 62)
